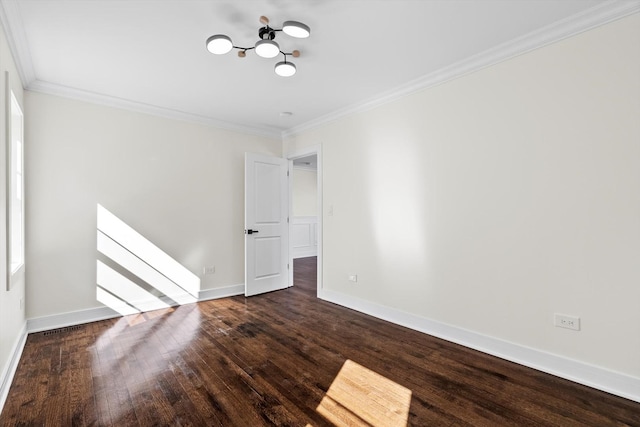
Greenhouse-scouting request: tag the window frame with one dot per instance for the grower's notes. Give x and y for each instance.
(15, 245)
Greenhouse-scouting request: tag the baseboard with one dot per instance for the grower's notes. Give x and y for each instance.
(79, 317)
(305, 254)
(573, 370)
(227, 291)
(73, 318)
(10, 368)
(579, 372)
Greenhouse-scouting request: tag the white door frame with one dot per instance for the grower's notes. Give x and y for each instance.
(304, 152)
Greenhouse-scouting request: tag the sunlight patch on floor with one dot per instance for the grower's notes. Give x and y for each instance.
(361, 397)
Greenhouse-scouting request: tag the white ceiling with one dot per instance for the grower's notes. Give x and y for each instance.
(150, 55)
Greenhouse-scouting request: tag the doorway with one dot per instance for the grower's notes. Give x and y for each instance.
(305, 224)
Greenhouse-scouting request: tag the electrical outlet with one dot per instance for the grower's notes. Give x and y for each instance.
(353, 277)
(210, 270)
(565, 321)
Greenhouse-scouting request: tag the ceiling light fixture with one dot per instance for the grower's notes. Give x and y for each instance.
(285, 69)
(219, 44)
(265, 47)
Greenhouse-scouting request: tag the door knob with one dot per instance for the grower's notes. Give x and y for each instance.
(250, 231)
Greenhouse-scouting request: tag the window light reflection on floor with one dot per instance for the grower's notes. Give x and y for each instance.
(360, 396)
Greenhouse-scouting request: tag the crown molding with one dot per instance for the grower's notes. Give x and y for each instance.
(14, 30)
(110, 101)
(596, 16)
(591, 18)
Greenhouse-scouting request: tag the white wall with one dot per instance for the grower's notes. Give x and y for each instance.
(494, 200)
(12, 314)
(179, 184)
(305, 192)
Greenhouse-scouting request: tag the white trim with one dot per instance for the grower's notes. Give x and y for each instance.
(217, 293)
(110, 101)
(574, 370)
(55, 321)
(306, 254)
(592, 376)
(559, 30)
(79, 317)
(14, 29)
(9, 370)
(73, 318)
(304, 152)
(598, 15)
(17, 39)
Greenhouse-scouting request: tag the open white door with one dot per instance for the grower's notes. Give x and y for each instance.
(266, 207)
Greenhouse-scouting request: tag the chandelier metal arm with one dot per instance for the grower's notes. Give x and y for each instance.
(295, 53)
(244, 48)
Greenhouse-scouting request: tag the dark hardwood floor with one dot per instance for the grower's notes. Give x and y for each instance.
(284, 358)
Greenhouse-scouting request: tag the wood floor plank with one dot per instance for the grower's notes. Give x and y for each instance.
(286, 359)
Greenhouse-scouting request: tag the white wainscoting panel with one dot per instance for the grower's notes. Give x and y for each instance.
(304, 235)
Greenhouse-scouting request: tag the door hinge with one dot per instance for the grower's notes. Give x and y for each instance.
(287, 266)
(287, 173)
(287, 220)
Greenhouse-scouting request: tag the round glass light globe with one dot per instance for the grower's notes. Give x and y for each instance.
(296, 29)
(285, 69)
(267, 48)
(219, 44)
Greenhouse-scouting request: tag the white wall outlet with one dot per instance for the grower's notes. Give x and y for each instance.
(209, 270)
(565, 321)
(353, 277)
(330, 210)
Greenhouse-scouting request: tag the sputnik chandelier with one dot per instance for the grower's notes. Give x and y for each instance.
(265, 46)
